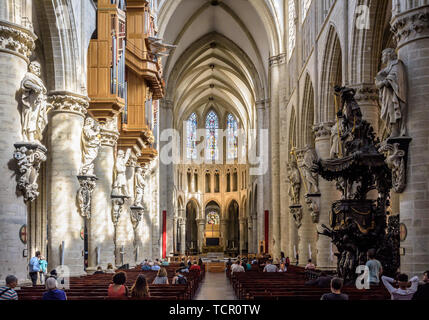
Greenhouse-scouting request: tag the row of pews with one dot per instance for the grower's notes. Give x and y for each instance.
(258, 285)
(94, 287)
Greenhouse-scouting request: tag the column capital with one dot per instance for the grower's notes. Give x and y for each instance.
(109, 133)
(68, 102)
(17, 40)
(323, 130)
(277, 60)
(365, 92)
(411, 25)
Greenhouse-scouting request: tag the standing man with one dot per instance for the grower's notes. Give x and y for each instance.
(375, 268)
(34, 268)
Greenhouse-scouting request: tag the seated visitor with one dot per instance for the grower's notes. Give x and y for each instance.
(200, 262)
(310, 265)
(165, 263)
(248, 266)
(423, 289)
(375, 268)
(140, 289)
(155, 267)
(161, 277)
(269, 267)
(335, 295)
(195, 267)
(183, 267)
(282, 268)
(118, 290)
(99, 270)
(229, 264)
(110, 268)
(323, 281)
(179, 278)
(7, 292)
(53, 293)
(237, 267)
(146, 266)
(287, 262)
(406, 289)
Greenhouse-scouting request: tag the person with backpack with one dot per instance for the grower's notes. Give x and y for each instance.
(43, 269)
(7, 292)
(34, 268)
(179, 278)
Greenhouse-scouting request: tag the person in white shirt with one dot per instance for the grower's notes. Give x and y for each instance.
(237, 267)
(269, 267)
(405, 291)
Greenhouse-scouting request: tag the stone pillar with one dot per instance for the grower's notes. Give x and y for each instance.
(242, 227)
(411, 28)
(15, 49)
(101, 229)
(367, 98)
(275, 241)
(201, 228)
(259, 224)
(329, 194)
(223, 234)
(250, 235)
(65, 222)
(182, 236)
(255, 234)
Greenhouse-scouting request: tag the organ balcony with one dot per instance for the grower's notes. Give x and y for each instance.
(107, 87)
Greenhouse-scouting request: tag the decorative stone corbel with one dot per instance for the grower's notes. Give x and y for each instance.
(29, 157)
(84, 195)
(396, 152)
(117, 207)
(296, 212)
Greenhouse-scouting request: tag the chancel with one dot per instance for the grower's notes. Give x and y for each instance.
(228, 149)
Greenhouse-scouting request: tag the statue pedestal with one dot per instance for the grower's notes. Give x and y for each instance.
(29, 156)
(84, 194)
(296, 212)
(313, 202)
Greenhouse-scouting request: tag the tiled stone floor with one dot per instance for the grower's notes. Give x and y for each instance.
(215, 286)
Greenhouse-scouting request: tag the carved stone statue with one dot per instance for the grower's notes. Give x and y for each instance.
(34, 116)
(392, 84)
(140, 185)
(120, 187)
(336, 144)
(310, 177)
(91, 142)
(395, 160)
(294, 182)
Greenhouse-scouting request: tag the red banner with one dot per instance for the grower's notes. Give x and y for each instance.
(267, 229)
(164, 234)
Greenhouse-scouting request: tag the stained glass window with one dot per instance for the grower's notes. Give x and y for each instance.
(192, 137)
(232, 128)
(212, 126)
(305, 6)
(292, 27)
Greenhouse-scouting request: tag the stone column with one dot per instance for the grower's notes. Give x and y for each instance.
(411, 28)
(223, 236)
(367, 98)
(255, 234)
(201, 228)
(65, 222)
(250, 235)
(329, 194)
(182, 236)
(101, 229)
(259, 224)
(274, 245)
(16, 46)
(242, 235)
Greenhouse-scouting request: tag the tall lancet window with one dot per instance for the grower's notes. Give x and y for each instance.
(232, 132)
(191, 128)
(291, 27)
(212, 126)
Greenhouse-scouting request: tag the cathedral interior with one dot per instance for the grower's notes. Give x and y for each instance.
(149, 129)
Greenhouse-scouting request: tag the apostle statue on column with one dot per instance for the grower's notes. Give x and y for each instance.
(140, 185)
(392, 84)
(310, 177)
(34, 112)
(120, 187)
(91, 142)
(294, 182)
